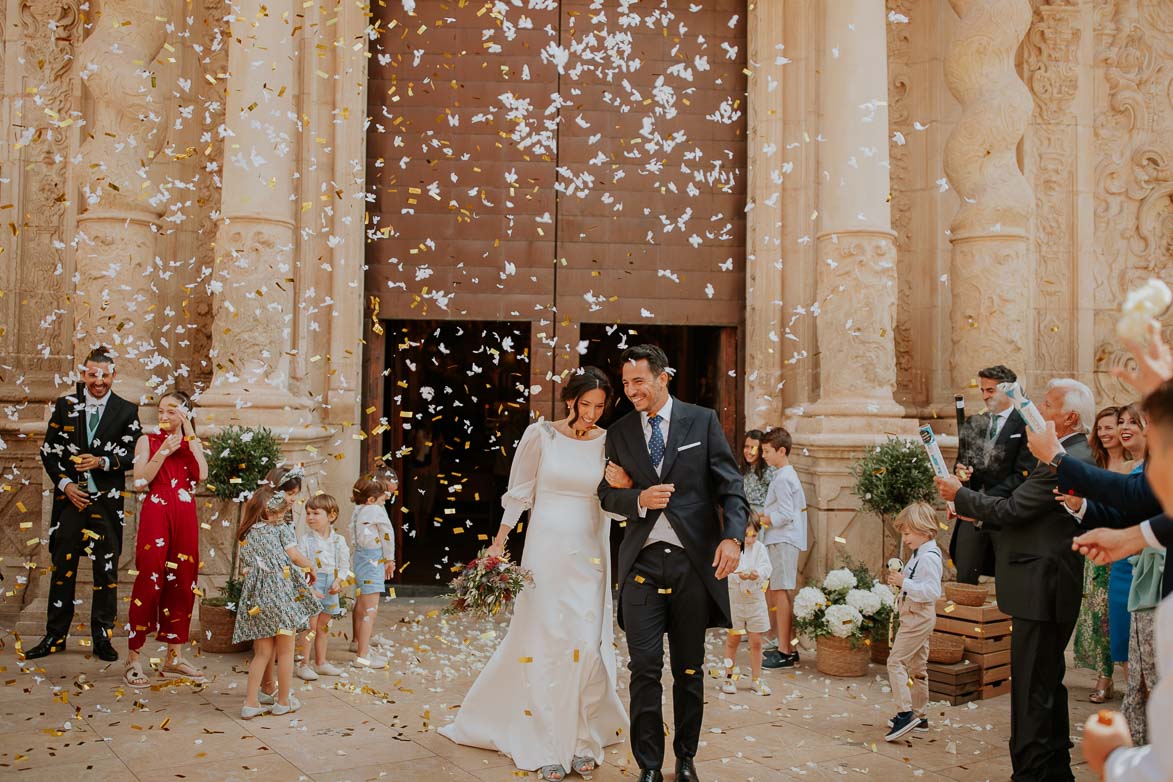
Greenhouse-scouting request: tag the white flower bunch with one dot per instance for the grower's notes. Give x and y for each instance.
(843, 620)
(884, 592)
(1141, 306)
(865, 601)
(839, 579)
(808, 601)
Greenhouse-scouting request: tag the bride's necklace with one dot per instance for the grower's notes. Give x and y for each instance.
(582, 432)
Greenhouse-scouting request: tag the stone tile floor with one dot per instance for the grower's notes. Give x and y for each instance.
(70, 715)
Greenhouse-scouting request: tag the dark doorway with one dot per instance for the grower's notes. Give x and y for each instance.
(456, 404)
(697, 354)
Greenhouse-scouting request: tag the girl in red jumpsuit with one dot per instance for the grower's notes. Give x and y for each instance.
(168, 464)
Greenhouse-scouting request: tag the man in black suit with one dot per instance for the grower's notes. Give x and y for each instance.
(674, 553)
(991, 458)
(88, 449)
(1039, 584)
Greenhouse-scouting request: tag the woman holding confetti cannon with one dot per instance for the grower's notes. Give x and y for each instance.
(547, 698)
(168, 464)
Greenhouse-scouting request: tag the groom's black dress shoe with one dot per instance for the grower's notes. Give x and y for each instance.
(651, 775)
(48, 645)
(686, 771)
(104, 650)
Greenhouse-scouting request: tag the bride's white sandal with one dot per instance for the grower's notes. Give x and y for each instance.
(554, 773)
(583, 766)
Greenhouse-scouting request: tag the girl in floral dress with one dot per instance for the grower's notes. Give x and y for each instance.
(275, 602)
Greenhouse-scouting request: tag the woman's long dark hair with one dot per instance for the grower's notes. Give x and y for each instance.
(758, 467)
(581, 381)
(1099, 452)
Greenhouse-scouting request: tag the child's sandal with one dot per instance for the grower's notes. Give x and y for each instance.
(583, 766)
(184, 670)
(555, 773)
(134, 677)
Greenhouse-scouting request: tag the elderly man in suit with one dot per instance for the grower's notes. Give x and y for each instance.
(675, 552)
(1040, 586)
(88, 449)
(991, 458)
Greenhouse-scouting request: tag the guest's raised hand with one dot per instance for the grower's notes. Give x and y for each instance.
(1043, 446)
(1104, 545)
(1104, 733)
(1154, 362)
(86, 462)
(1072, 502)
(171, 444)
(963, 473)
(947, 487)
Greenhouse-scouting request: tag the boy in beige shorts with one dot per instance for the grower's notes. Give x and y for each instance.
(920, 587)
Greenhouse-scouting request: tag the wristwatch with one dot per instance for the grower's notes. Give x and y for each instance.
(1054, 463)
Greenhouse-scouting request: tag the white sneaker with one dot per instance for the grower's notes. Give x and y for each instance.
(328, 669)
(759, 687)
(728, 687)
(278, 709)
(306, 673)
(371, 661)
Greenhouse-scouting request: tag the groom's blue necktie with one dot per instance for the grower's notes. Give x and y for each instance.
(656, 441)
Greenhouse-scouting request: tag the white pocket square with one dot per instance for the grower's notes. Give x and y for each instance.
(1015, 435)
(686, 447)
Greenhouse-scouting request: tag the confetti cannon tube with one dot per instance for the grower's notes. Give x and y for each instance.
(936, 460)
(1026, 408)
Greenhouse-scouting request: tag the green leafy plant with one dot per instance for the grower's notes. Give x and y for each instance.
(893, 476)
(229, 596)
(238, 458)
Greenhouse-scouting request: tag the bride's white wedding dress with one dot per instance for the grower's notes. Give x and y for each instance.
(548, 692)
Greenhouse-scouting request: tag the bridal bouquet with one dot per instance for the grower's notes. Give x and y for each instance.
(486, 585)
(850, 604)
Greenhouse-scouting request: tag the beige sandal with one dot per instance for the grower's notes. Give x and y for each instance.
(183, 670)
(134, 676)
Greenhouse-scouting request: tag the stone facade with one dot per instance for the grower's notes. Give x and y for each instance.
(192, 192)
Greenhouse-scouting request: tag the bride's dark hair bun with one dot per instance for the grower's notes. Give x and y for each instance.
(579, 382)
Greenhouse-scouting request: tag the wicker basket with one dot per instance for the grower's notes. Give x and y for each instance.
(835, 657)
(879, 651)
(216, 626)
(967, 594)
(945, 649)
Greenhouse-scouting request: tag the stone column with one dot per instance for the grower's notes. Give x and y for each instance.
(764, 316)
(120, 204)
(856, 250)
(992, 274)
(252, 283)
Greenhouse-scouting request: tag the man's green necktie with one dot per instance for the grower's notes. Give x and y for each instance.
(92, 421)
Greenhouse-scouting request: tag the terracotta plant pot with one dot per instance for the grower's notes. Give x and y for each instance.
(216, 626)
(835, 657)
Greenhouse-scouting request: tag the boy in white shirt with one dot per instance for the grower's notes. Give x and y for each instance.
(747, 606)
(784, 535)
(920, 587)
(323, 546)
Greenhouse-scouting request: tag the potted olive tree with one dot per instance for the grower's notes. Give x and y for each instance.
(238, 459)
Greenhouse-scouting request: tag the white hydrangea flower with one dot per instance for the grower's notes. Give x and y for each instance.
(808, 601)
(839, 579)
(864, 601)
(843, 620)
(884, 592)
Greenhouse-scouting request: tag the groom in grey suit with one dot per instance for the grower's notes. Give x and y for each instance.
(675, 552)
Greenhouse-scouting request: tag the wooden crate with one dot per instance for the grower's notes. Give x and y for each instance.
(986, 633)
(956, 683)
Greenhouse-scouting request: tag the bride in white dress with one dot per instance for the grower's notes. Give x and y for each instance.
(547, 697)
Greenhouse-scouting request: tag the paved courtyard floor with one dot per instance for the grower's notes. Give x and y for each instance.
(70, 717)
